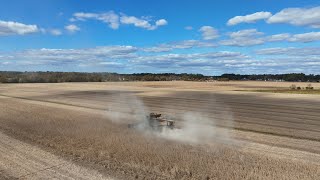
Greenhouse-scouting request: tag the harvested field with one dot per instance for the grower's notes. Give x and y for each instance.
(28, 162)
(225, 134)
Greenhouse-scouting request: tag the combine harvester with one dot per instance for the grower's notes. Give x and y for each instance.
(155, 122)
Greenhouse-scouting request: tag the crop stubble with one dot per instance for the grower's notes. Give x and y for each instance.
(275, 138)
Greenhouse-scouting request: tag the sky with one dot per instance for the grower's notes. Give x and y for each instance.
(181, 36)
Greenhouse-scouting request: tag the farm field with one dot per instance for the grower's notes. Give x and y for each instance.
(225, 132)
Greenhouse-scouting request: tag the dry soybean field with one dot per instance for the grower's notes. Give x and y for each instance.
(225, 131)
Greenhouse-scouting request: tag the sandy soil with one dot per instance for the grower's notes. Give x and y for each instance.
(261, 135)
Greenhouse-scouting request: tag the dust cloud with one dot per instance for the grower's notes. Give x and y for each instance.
(193, 127)
(126, 108)
(198, 128)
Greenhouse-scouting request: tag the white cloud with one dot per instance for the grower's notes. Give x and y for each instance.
(188, 28)
(15, 28)
(298, 16)
(293, 59)
(72, 28)
(290, 51)
(273, 51)
(242, 42)
(278, 37)
(178, 45)
(55, 32)
(294, 16)
(247, 37)
(84, 16)
(136, 22)
(117, 56)
(114, 20)
(126, 58)
(305, 37)
(209, 33)
(251, 18)
(161, 22)
(251, 37)
(210, 59)
(142, 23)
(245, 33)
(61, 57)
(110, 18)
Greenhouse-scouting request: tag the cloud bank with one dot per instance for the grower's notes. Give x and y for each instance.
(114, 20)
(135, 59)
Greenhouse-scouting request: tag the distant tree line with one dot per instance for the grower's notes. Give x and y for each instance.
(292, 77)
(58, 77)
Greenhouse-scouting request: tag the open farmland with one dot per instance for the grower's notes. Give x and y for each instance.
(225, 134)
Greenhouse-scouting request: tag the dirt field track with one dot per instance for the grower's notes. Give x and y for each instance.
(233, 134)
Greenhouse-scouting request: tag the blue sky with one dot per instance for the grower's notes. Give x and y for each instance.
(208, 37)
